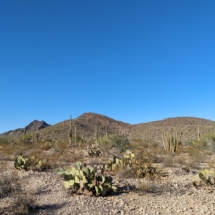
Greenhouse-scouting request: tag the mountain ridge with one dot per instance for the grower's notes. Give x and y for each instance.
(87, 122)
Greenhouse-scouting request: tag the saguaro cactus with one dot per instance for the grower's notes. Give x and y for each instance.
(37, 133)
(24, 135)
(82, 137)
(70, 131)
(96, 134)
(75, 136)
(106, 135)
(198, 130)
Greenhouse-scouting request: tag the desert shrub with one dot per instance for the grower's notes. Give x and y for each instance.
(22, 204)
(116, 141)
(69, 156)
(152, 186)
(48, 140)
(26, 139)
(4, 140)
(207, 141)
(47, 145)
(9, 185)
(21, 201)
(148, 150)
(61, 145)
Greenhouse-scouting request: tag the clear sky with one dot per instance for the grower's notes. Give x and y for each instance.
(134, 61)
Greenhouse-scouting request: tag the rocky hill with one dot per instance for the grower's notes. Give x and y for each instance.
(86, 123)
(31, 127)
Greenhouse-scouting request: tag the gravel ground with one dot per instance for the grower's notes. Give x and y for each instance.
(179, 196)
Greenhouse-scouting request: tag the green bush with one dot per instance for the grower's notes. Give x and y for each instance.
(26, 139)
(115, 141)
(207, 141)
(4, 140)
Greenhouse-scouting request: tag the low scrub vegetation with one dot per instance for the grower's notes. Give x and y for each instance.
(110, 157)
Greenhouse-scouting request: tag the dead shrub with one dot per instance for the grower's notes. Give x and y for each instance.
(9, 185)
(168, 161)
(22, 204)
(153, 185)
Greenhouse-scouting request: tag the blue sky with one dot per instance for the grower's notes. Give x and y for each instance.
(134, 61)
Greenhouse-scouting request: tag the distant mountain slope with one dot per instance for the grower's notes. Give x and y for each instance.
(187, 125)
(29, 128)
(85, 125)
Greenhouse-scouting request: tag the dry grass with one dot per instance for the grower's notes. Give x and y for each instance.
(152, 186)
(9, 184)
(19, 201)
(22, 204)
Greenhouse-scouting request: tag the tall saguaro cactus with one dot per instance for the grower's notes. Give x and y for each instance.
(24, 135)
(96, 134)
(82, 137)
(75, 136)
(198, 130)
(70, 131)
(106, 135)
(37, 133)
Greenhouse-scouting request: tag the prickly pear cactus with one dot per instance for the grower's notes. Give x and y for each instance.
(86, 180)
(113, 165)
(204, 177)
(94, 150)
(32, 163)
(22, 163)
(47, 145)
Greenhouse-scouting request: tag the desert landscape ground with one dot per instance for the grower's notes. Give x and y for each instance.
(160, 167)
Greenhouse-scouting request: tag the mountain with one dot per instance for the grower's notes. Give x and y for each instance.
(86, 123)
(188, 126)
(33, 126)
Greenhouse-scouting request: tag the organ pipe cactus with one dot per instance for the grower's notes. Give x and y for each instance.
(171, 141)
